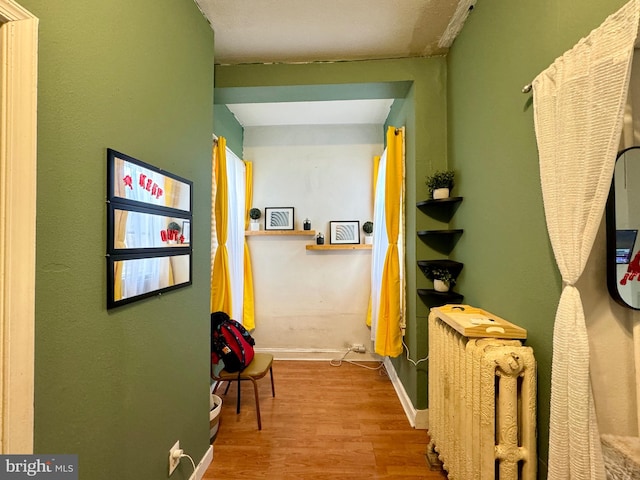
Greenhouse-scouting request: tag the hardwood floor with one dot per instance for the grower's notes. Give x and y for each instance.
(325, 423)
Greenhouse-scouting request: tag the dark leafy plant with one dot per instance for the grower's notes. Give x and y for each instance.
(367, 227)
(440, 179)
(437, 273)
(255, 213)
(174, 226)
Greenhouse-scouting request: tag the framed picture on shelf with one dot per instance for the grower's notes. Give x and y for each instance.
(278, 218)
(344, 232)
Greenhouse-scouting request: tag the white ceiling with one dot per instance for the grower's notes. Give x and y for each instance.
(304, 31)
(337, 112)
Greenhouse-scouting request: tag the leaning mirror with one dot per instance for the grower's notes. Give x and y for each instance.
(623, 223)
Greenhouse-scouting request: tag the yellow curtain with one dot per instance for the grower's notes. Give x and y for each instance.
(248, 319)
(221, 280)
(388, 334)
(376, 165)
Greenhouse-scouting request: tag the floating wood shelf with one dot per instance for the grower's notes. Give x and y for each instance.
(339, 247)
(250, 233)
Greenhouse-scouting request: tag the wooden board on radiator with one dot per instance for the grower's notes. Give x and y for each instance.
(473, 322)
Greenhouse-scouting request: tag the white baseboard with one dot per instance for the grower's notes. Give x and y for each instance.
(422, 419)
(202, 466)
(417, 418)
(318, 354)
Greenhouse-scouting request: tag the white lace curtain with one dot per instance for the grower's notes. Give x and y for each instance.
(578, 105)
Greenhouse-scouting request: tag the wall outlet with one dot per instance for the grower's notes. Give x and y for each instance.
(358, 347)
(174, 457)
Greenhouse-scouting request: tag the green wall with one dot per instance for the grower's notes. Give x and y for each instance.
(119, 387)
(225, 125)
(419, 86)
(509, 267)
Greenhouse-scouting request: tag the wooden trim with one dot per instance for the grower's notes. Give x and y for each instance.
(203, 465)
(18, 99)
(405, 401)
(346, 246)
(10, 11)
(262, 233)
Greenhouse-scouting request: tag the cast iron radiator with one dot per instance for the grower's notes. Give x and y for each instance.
(482, 396)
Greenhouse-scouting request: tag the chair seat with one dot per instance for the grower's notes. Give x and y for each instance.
(258, 368)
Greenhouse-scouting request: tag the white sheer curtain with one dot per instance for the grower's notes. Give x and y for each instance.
(235, 240)
(578, 105)
(380, 243)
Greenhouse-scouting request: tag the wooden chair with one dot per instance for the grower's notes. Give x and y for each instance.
(258, 368)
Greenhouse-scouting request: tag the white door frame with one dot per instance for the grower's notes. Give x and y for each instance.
(18, 97)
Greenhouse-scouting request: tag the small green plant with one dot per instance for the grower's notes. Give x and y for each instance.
(440, 179)
(255, 213)
(367, 227)
(437, 273)
(174, 226)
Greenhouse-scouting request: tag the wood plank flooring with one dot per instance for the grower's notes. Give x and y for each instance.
(325, 423)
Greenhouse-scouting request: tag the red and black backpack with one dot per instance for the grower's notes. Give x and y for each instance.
(230, 342)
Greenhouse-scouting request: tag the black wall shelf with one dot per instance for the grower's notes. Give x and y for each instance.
(454, 267)
(442, 241)
(427, 233)
(433, 298)
(439, 202)
(441, 209)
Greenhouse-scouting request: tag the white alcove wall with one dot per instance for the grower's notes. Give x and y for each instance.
(311, 304)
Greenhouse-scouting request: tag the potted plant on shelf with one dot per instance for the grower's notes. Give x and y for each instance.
(442, 279)
(367, 228)
(254, 215)
(440, 184)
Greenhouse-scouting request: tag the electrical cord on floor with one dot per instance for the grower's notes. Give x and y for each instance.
(338, 362)
(414, 362)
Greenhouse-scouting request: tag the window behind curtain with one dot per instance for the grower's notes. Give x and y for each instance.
(380, 242)
(235, 240)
